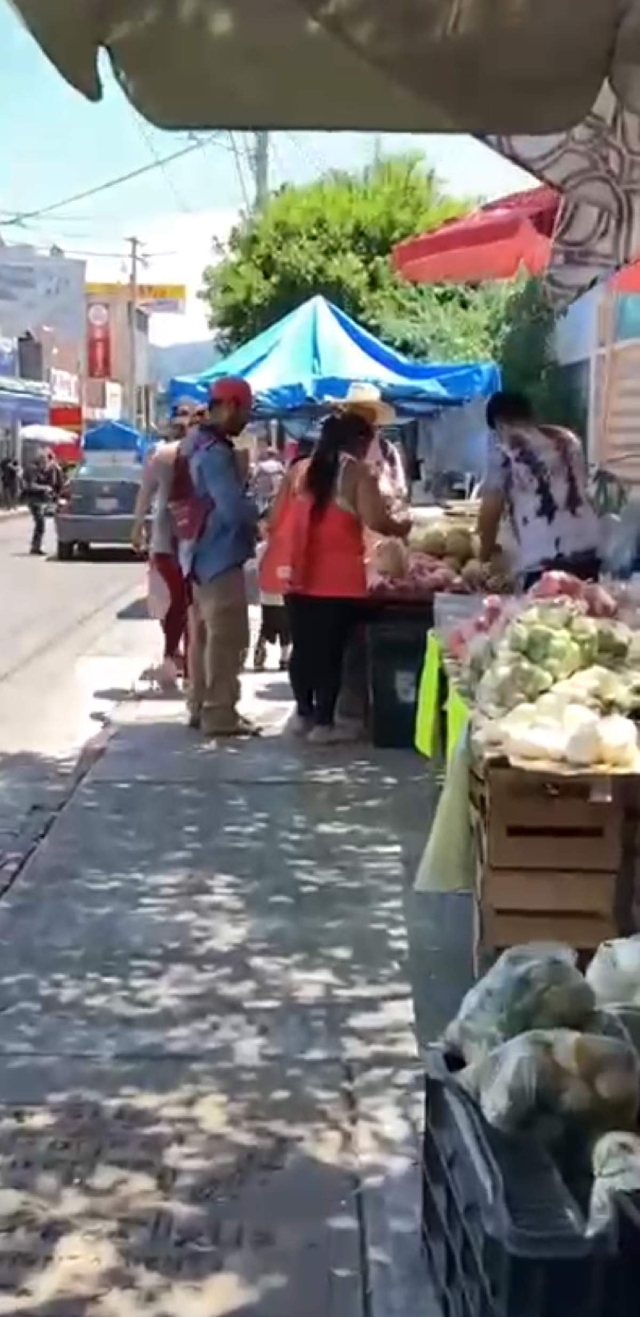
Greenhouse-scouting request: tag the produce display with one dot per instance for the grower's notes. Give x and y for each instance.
(614, 973)
(440, 558)
(615, 1164)
(542, 1079)
(542, 1058)
(537, 986)
(553, 677)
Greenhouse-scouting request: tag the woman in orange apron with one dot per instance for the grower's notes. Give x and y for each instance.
(316, 557)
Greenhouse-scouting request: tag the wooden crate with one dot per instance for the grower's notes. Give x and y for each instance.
(548, 859)
(539, 822)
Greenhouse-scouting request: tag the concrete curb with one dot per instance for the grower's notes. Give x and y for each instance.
(13, 862)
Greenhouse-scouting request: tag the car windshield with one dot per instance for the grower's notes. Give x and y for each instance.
(111, 475)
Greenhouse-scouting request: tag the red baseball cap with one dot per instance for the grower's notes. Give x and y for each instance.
(231, 388)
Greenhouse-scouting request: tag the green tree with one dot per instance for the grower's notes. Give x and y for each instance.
(523, 332)
(334, 237)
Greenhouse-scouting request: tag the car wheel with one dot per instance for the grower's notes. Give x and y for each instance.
(84, 549)
(65, 551)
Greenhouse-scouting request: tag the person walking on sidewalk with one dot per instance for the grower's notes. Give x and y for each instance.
(163, 546)
(219, 615)
(43, 484)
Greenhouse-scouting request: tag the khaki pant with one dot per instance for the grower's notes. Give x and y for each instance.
(218, 643)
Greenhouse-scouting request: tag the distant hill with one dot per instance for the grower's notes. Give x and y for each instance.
(181, 359)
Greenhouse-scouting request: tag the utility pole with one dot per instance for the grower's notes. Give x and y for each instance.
(377, 149)
(132, 384)
(261, 168)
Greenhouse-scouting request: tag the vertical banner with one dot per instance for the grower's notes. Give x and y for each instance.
(98, 341)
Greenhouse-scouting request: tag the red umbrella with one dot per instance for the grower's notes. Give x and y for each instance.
(494, 242)
(497, 241)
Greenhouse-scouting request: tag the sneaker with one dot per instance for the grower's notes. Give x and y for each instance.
(297, 725)
(339, 735)
(167, 677)
(195, 720)
(322, 736)
(260, 657)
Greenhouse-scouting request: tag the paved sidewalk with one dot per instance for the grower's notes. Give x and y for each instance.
(209, 1079)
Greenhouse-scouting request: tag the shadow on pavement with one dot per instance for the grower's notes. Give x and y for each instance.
(209, 1083)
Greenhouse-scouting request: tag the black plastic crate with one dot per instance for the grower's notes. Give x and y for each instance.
(503, 1234)
(395, 658)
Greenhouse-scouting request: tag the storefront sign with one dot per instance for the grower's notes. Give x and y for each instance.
(98, 341)
(155, 299)
(65, 387)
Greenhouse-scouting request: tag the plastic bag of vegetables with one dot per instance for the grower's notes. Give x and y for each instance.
(615, 1162)
(547, 1080)
(536, 986)
(614, 972)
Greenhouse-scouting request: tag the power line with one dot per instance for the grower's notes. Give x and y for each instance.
(104, 187)
(145, 134)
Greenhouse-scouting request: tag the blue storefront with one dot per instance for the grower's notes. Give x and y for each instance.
(22, 402)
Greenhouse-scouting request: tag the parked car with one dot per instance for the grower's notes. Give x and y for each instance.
(97, 507)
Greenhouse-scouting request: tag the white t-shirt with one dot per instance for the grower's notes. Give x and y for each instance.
(541, 472)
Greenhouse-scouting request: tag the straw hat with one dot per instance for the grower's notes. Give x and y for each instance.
(367, 401)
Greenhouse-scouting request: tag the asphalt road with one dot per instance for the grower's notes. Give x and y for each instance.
(73, 636)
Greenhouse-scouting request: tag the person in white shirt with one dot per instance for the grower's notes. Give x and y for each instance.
(536, 481)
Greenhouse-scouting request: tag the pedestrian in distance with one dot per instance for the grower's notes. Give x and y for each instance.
(43, 485)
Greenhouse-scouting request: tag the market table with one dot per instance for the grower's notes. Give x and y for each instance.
(547, 855)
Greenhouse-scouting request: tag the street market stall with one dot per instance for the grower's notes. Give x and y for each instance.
(299, 365)
(538, 816)
(297, 369)
(531, 1165)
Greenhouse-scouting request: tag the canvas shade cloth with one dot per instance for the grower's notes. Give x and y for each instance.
(581, 226)
(482, 66)
(596, 169)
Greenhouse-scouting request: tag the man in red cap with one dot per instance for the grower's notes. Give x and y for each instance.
(219, 630)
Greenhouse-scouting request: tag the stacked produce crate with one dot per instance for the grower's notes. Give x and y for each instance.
(549, 859)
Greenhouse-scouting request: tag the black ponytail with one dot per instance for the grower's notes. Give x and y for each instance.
(343, 432)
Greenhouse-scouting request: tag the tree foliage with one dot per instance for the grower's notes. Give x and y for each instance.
(334, 237)
(523, 346)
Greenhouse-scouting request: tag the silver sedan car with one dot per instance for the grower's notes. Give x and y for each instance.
(97, 507)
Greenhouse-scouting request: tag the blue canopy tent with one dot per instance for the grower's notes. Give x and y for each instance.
(113, 437)
(312, 356)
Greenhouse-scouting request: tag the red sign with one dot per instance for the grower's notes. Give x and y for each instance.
(67, 416)
(98, 341)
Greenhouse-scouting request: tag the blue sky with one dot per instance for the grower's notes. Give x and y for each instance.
(56, 144)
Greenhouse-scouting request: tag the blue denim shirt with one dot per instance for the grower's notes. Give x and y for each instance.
(228, 539)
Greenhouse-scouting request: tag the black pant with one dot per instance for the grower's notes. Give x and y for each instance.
(39, 523)
(320, 631)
